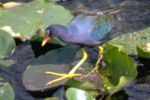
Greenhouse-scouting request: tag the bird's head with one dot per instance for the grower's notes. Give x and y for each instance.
(52, 31)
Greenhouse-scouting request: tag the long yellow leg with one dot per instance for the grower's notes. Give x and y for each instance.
(80, 63)
(71, 73)
(100, 56)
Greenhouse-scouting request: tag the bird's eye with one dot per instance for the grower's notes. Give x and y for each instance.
(47, 32)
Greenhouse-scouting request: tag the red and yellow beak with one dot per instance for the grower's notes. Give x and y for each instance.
(46, 39)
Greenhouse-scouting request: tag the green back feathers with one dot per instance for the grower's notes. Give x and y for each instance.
(103, 25)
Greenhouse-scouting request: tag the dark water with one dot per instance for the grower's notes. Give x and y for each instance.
(134, 16)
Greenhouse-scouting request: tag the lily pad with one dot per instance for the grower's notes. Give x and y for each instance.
(34, 77)
(120, 69)
(7, 44)
(131, 40)
(81, 85)
(6, 91)
(26, 19)
(143, 50)
(86, 86)
(78, 94)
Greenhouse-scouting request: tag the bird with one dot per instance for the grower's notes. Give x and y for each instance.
(83, 30)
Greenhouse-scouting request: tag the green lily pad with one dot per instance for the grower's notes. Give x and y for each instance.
(120, 69)
(131, 40)
(34, 77)
(26, 19)
(6, 91)
(81, 85)
(87, 86)
(78, 94)
(143, 50)
(7, 44)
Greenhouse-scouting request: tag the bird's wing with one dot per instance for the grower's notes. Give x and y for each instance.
(81, 24)
(103, 25)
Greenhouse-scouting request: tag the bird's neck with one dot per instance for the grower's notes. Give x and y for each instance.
(64, 36)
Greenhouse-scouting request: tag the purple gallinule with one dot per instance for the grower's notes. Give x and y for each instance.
(83, 30)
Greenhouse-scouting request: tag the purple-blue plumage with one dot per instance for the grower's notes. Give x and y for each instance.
(84, 30)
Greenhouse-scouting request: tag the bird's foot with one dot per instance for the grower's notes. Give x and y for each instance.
(62, 77)
(94, 70)
(71, 74)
